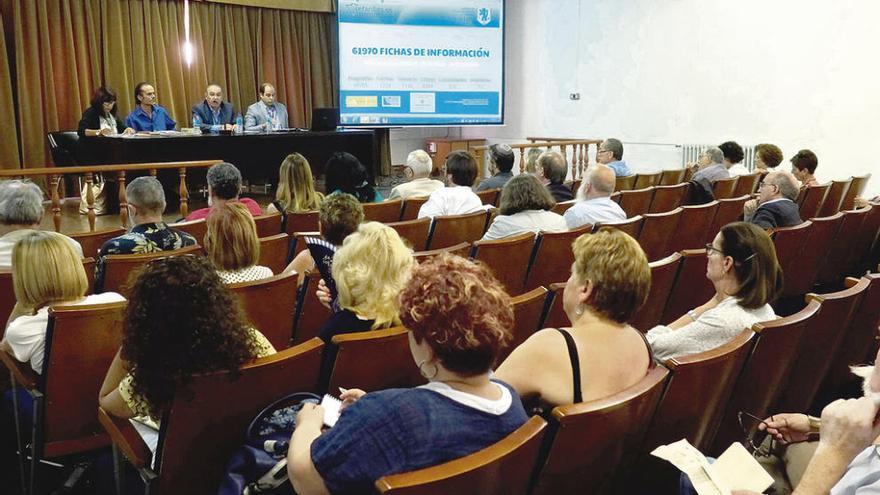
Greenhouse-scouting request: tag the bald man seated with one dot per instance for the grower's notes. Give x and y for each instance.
(595, 203)
(775, 206)
(214, 113)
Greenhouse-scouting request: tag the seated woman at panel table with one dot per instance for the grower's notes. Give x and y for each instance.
(458, 317)
(525, 207)
(599, 355)
(338, 216)
(181, 321)
(296, 188)
(232, 244)
(742, 266)
(100, 118)
(345, 173)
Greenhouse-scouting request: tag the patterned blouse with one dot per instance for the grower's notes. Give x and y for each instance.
(249, 274)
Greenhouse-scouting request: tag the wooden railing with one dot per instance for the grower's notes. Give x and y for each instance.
(580, 152)
(53, 179)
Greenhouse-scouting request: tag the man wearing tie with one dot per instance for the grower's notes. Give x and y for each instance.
(214, 113)
(148, 115)
(266, 114)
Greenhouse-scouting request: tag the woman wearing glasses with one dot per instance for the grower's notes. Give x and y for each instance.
(742, 266)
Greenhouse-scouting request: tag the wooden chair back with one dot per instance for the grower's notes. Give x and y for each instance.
(186, 461)
(270, 306)
(729, 210)
(554, 312)
(500, 469)
(119, 267)
(746, 184)
(306, 221)
(663, 273)
(647, 180)
(625, 183)
(563, 206)
(672, 177)
(195, 228)
(790, 242)
(298, 242)
(699, 220)
(415, 232)
(668, 198)
(865, 240)
(310, 314)
(637, 201)
(766, 371)
(528, 313)
(91, 242)
(462, 249)
(273, 252)
(691, 285)
(374, 360)
(508, 258)
(449, 230)
(632, 226)
(803, 263)
(575, 186)
(834, 198)
(592, 442)
(840, 260)
(821, 340)
(811, 199)
(268, 224)
(7, 295)
(723, 188)
(552, 259)
(489, 196)
(856, 188)
(411, 207)
(383, 211)
(657, 233)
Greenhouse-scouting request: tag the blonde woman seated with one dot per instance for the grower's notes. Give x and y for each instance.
(742, 266)
(424, 178)
(599, 355)
(232, 244)
(525, 207)
(296, 188)
(338, 216)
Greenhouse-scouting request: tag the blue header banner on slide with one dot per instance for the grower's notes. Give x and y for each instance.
(418, 14)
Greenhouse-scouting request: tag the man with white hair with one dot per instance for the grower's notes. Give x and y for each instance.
(707, 170)
(423, 182)
(775, 206)
(21, 211)
(596, 204)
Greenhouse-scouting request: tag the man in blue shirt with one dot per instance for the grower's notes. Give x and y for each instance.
(611, 153)
(147, 115)
(214, 113)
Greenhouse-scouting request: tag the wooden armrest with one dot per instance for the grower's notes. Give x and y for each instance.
(126, 439)
(21, 372)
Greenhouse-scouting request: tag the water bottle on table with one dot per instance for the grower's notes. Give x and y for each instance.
(239, 125)
(197, 124)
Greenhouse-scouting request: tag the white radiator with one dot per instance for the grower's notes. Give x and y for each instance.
(691, 152)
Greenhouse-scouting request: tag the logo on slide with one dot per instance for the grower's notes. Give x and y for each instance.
(484, 15)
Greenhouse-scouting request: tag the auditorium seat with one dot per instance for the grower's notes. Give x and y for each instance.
(273, 252)
(636, 201)
(729, 210)
(270, 305)
(698, 219)
(194, 451)
(723, 188)
(310, 314)
(503, 468)
(195, 228)
(834, 198)
(414, 232)
(625, 183)
(268, 224)
(81, 342)
(766, 371)
(411, 207)
(657, 233)
(383, 211)
(301, 222)
(590, 443)
(575, 186)
(118, 267)
(462, 249)
(647, 180)
(449, 230)
(489, 196)
(554, 312)
(672, 177)
(663, 273)
(865, 240)
(821, 340)
(632, 226)
(62, 146)
(552, 258)
(563, 206)
(746, 184)
(374, 360)
(790, 242)
(528, 312)
(811, 199)
(856, 188)
(508, 258)
(91, 242)
(691, 287)
(840, 260)
(668, 198)
(802, 263)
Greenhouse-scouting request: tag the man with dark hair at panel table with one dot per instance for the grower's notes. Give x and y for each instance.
(215, 114)
(266, 114)
(224, 184)
(147, 114)
(611, 153)
(552, 170)
(733, 157)
(21, 211)
(501, 159)
(775, 206)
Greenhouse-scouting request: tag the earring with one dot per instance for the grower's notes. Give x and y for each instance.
(426, 375)
(578, 311)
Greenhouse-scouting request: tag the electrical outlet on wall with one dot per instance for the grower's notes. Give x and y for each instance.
(574, 96)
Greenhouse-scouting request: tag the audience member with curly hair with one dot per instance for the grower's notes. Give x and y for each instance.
(599, 355)
(525, 207)
(458, 317)
(733, 157)
(232, 244)
(767, 156)
(181, 321)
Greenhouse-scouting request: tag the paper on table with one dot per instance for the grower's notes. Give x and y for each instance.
(693, 463)
(331, 407)
(738, 469)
